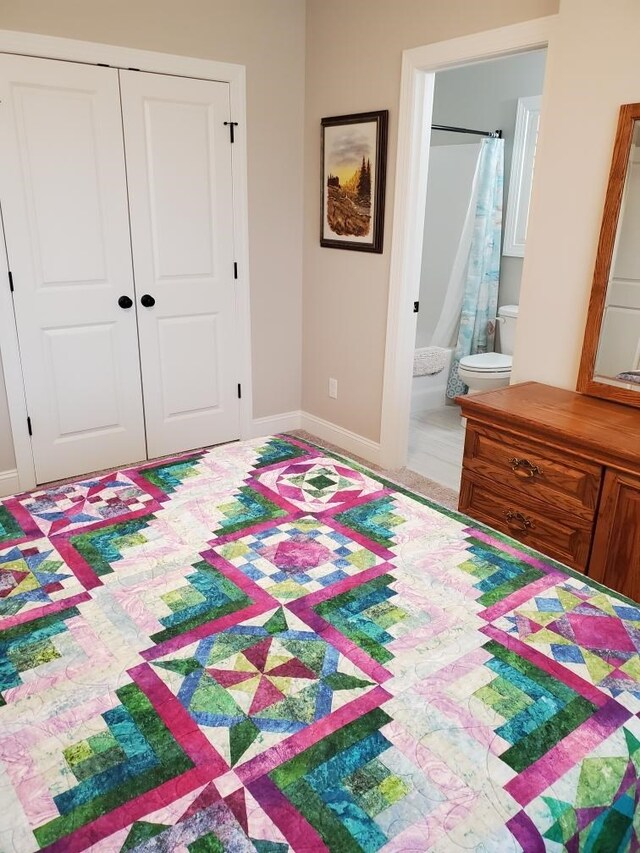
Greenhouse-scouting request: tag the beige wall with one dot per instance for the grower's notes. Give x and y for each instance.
(354, 52)
(353, 60)
(592, 70)
(268, 37)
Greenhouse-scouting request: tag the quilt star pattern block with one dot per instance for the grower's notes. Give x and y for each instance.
(265, 647)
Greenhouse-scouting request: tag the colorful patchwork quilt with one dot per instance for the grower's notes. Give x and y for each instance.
(265, 647)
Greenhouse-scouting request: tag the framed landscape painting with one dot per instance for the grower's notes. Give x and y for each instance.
(354, 155)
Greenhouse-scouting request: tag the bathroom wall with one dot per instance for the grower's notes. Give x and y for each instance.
(485, 97)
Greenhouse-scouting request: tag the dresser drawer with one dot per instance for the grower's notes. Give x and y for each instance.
(554, 534)
(525, 468)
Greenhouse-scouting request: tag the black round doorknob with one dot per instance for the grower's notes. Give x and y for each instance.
(147, 300)
(125, 302)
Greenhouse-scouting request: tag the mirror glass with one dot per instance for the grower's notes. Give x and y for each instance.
(618, 353)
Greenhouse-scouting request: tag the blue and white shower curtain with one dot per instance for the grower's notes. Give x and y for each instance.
(476, 331)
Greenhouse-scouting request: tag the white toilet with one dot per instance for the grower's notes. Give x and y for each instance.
(487, 371)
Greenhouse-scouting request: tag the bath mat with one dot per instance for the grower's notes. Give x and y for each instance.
(429, 360)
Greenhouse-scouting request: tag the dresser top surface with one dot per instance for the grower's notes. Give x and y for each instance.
(607, 431)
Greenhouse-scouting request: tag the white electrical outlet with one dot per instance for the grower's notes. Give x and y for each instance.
(333, 388)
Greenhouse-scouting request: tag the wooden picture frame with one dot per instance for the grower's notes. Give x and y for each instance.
(353, 161)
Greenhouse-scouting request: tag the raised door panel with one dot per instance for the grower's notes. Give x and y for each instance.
(615, 560)
(64, 202)
(180, 191)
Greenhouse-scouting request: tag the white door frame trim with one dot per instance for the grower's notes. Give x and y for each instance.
(419, 66)
(93, 53)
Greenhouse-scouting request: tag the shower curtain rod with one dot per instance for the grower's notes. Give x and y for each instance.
(495, 134)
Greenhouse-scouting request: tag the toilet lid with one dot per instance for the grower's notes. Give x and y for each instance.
(487, 362)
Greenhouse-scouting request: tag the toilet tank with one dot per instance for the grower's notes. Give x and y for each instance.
(508, 315)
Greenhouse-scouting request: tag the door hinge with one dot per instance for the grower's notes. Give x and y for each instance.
(231, 125)
(239, 391)
(416, 307)
(29, 425)
(235, 269)
(10, 281)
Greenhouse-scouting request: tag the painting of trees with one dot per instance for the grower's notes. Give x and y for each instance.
(354, 150)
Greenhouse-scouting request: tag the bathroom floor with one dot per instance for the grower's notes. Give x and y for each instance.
(436, 443)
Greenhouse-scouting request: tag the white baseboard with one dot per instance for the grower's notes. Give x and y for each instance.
(273, 424)
(349, 441)
(343, 438)
(9, 483)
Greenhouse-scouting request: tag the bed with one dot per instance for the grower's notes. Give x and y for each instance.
(265, 647)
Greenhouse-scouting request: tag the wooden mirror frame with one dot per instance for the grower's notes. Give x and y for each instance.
(629, 114)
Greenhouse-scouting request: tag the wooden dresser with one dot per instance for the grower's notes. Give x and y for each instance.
(560, 472)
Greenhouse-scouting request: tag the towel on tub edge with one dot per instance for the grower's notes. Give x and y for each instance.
(429, 360)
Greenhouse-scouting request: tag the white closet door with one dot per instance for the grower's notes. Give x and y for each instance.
(178, 158)
(64, 202)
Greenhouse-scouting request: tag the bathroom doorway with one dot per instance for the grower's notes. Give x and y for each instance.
(474, 236)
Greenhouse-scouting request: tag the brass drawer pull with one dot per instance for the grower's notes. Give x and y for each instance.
(519, 521)
(523, 468)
